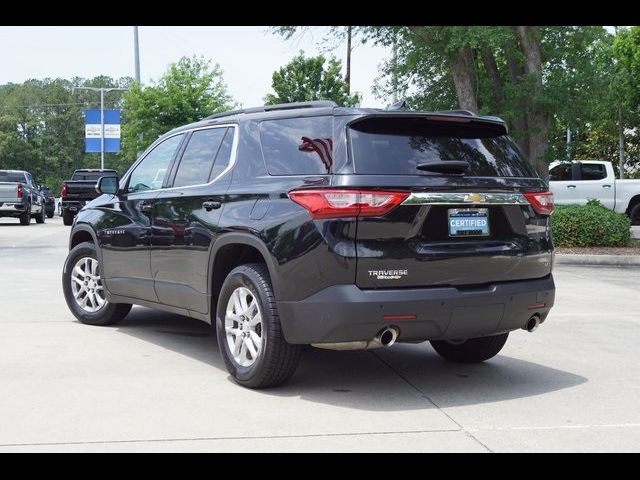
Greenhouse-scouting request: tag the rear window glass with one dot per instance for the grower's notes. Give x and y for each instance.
(12, 177)
(398, 146)
(92, 175)
(298, 146)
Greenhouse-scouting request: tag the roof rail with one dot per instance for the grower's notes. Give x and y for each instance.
(271, 108)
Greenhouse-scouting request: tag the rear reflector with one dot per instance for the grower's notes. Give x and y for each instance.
(536, 306)
(399, 317)
(332, 203)
(542, 202)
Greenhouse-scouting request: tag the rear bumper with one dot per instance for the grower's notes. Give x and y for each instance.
(344, 313)
(11, 208)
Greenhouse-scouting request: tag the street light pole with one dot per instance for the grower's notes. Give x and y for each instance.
(102, 91)
(136, 53)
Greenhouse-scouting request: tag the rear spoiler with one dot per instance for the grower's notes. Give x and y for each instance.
(454, 118)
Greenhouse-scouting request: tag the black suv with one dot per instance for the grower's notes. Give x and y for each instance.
(343, 228)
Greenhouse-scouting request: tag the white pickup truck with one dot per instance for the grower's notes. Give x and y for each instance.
(579, 181)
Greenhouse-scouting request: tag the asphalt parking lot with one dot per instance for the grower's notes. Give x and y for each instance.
(156, 382)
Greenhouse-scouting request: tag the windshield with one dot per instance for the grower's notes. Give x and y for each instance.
(393, 146)
(12, 177)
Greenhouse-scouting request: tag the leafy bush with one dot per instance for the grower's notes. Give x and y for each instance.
(590, 225)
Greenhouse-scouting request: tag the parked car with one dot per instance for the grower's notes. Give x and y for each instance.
(580, 181)
(80, 190)
(343, 228)
(20, 197)
(49, 201)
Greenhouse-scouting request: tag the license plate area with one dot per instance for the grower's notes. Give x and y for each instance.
(468, 222)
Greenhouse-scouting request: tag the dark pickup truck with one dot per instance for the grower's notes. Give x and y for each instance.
(80, 190)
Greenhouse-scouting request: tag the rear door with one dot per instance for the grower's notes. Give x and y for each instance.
(592, 183)
(455, 229)
(563, 184)
(186, 217)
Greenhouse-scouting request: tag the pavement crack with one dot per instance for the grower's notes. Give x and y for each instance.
(461, 428)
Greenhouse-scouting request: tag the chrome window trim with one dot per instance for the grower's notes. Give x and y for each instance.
(232, 161)
(469, 198)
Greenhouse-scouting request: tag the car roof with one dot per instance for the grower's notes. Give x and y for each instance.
(321, 108)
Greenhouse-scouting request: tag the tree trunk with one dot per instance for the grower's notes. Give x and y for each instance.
(463, 73)
(538, 120)
(347, 77)
(491, 67)
(520, 125)
(621, 144)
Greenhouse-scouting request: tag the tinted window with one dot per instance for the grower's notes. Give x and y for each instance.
(396, 147)
(561, 173)
(92, 175)
(593, 171)
(150, 173)
(224, 155)
(12, 177)
(199, 156)
(298, 146)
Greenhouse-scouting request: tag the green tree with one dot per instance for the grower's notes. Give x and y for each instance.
(190, 90)
(306, 78)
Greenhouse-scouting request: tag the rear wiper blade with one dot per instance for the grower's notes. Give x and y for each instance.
(445, 166)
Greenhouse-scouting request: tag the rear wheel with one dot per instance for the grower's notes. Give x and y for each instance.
(25, 218)
(84, 290)
(67, 217)
(634, 214)
(249, 333)
(472, 350)
(40, 216)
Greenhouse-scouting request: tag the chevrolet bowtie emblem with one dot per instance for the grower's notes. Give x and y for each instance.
(475, 198)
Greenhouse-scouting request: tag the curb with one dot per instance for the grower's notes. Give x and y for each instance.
(611, 260)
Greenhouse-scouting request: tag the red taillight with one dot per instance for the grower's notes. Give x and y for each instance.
(63, 193)
(347, 203)
(542, 202)
(20, 191)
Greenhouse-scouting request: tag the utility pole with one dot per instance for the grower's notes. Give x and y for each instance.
(394, 78)
(347, 77)
(136, 53)
(102, 92)
(568, 144)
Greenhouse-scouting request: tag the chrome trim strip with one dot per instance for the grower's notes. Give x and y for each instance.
(433, 198)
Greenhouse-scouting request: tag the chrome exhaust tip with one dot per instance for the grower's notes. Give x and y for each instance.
(532, 324)
(387, 337)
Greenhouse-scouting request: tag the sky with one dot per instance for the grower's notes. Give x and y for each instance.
(247, 55)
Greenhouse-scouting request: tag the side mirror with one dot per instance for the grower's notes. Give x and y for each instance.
(108, 185)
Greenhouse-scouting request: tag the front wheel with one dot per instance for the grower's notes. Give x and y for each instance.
(472, 350)
(41, 216)
(84, 290)
(249, 333)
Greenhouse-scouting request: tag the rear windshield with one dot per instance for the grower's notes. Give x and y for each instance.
(394, 146)
(12, 177)
(92, 175)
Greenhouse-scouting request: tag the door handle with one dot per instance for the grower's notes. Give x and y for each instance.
(146, 207)
(211, 205)
(571, 186)
(606, 186)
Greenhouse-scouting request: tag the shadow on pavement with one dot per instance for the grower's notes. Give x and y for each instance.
(400, 378)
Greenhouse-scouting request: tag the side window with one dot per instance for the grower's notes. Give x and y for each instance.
(298, 146)
(199, 156)
(561, 173)
(593, 171)
(224, 155)
(150, 173)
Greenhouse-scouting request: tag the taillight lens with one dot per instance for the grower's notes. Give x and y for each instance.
(347, 203)
(63, 193)
(20, 190)
(542, 202)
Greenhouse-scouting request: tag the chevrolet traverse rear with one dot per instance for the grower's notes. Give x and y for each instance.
(313, 224)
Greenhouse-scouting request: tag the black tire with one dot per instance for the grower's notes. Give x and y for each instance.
(473, 350)
(49, 215)
(67, 217)
(278, 360)
(25, 218)
(41, 216)
(634, 214)
(110, 313)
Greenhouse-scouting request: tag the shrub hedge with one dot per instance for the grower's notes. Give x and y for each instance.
(590, 225)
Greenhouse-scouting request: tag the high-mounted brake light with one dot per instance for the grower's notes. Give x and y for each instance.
(332, 203)
(542, 202)
(20, 191)
(63, 193)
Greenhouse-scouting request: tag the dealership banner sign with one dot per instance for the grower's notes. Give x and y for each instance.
(111, 131)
